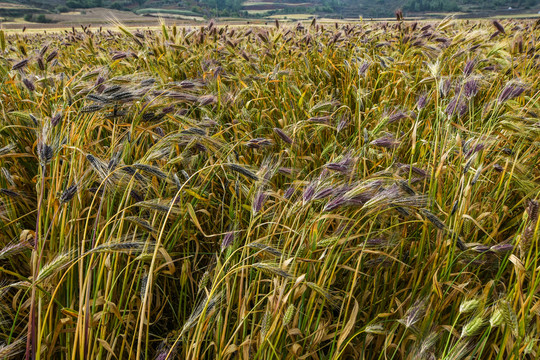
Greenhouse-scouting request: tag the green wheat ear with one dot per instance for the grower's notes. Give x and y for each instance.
(509, 316)
(473, 327)
(496, 318)
(2, 40)
(469, 306)
(288, 316)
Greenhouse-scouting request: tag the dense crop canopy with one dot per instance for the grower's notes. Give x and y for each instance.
(319, 191)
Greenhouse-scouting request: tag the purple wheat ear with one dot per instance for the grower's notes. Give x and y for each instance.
(499, 27)
(309, 191)
(20, 65)
(68, 194)
(422, 102)
(470, 88)
(387, 141)
(45, 153)
(469, 67)
(228, 239)
(289, 192)
(510, 91)
(258, 201)
(283, 136)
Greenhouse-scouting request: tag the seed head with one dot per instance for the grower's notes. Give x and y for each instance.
(396, 116)
(344, 166)
(470, 88)
(289, 313)
(509, 316)
(532, 211)
(309, 191)
(9, 193)
(388, 142)
(6, 149)
(456, 106)
(21, 64)
(469, 67)
(510, 91)
(52, 55)
(499, 27)
(68, 194)
(445, 87)
(283, 136)
(258, 201)
(153, 170)
(285, 171)
(7, 176)
(207, 100)
(266, 323)
(343, 123)
(289, 192)
(502, 248)
(473, 327)
(496, 318)
(406, 188)
(319, 119)
(119, 55)
(91, 108)
(422, 102)
(469, 306)
(243, 171)
(323, 193)
(271, 269)
(258, 143)
(56, 119)
(45, 153)
(144, 283)
(414, 313)
(399, 15)
(438, 223)
(29, 84)
(362, 69)
(228, 239)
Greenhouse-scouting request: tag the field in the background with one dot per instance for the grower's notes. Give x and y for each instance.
(316, 191)
(56, 14)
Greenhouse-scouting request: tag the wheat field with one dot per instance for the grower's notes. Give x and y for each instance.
(308, 191)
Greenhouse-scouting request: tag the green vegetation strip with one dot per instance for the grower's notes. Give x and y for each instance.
(165, 11)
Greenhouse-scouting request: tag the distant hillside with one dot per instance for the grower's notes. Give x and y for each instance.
(387, 7)
(263, 8)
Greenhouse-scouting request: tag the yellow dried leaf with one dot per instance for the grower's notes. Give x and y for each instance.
(296, 349)
(295, 331)
(348, 327)
(230, 349)
(107, 347)
(517, 263)
(437, 286)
